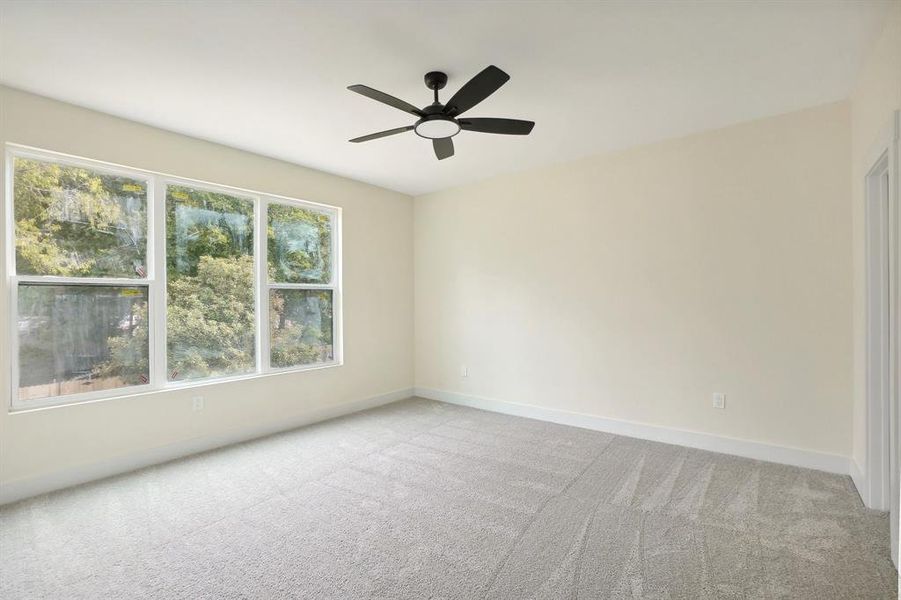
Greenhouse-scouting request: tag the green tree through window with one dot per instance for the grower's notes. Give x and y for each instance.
(210, 299)
(75, 336)
(300, 253)
(73, 223)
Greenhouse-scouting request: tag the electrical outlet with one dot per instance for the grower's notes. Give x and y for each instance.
(197, 403)
(719, 400)
(464, 371)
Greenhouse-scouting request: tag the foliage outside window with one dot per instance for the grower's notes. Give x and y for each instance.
(300, 311)
(83, 227)
(210, 297)
(74, 222)
(93, 318)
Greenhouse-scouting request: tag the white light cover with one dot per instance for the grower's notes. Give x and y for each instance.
(437, 128)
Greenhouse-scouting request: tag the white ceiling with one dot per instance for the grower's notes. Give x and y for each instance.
(270, 77)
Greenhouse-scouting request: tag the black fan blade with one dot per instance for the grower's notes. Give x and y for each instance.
(505, 126)
(385, 98)
(381, 134)
(444, 148)
(475, 90)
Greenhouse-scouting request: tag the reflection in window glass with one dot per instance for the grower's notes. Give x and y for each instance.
(300, 245)
(75, 222)
(80, 338)
(210, 304)
(300, 327)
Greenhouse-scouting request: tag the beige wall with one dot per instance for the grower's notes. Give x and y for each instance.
(378, 301)
(876, 96)
(629, 286)
(632, 286)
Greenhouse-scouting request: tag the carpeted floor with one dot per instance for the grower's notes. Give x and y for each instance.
(427, 500)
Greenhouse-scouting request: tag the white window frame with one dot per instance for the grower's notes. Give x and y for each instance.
(156, 280)
(262, 255)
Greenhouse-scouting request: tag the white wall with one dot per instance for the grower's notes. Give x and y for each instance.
(876, 96)
(378, 304)
(631, 286)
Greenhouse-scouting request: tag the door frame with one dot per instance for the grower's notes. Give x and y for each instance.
(883, 254)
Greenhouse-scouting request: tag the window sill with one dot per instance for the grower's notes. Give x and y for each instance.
(137, 391)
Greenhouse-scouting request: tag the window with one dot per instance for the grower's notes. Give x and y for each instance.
(301, 286)
(76, 222)
(81, 299)
(233, 284)
(210, 311)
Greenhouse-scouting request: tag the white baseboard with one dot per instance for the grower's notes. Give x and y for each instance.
(859, 480)
(809, 459)
(25, 488)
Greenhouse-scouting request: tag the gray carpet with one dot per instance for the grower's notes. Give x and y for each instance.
(427, 500)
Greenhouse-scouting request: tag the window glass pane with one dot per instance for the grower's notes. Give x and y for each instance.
(80, 338)
(300, 245)
(76, 222)
(210, 303)
(300, 327)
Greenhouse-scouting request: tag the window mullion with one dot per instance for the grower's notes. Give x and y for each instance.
(14, 343)
(54, 280)
(274, 285)
(157, 325)
(337, 289)
(261, 263)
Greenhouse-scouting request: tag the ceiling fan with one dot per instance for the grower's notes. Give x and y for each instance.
(440, 122)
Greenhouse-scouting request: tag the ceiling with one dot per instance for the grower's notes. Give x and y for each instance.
(271, 77)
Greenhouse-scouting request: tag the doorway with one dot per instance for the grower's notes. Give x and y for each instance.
(882, 358)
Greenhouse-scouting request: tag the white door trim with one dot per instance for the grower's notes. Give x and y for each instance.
(877, 332)
(883, 248)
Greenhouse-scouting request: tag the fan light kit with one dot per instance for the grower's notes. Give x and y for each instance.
(437, 128)
(440, 122)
